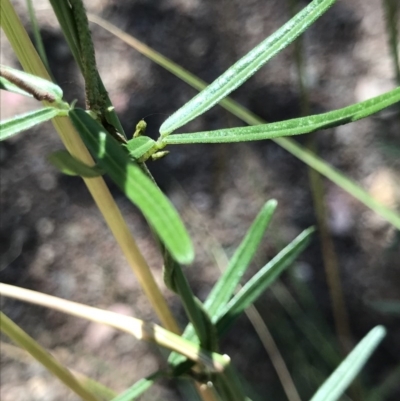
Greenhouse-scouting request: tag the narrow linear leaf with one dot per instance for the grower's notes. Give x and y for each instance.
(139, 387)
(224, 317)
(242, 70)
(291, 146)
(6, 85)
(15, 125)
(38, 87)
(139, 146)
(16, 334)
(36, 34)
(345, 373)
(62, 10)
(249, 293)
(69, 165)
(295, 126)
(386, 306)
(139, 189)
(229, 280)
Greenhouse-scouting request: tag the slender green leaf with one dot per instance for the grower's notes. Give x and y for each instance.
(62, 10)
(296, 126)
(37, 35)
(15, 125)
(32, 84)
(242, 70)
(69, 165)
(345, 373)
(139, 189)
(229, 280)
(139, 387)
(305, 155)
(6, 85)
(139, 146)
(224, 317)
(386, 306)
(260, 281)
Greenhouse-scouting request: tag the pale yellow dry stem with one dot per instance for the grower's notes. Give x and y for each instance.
(138, 328)
(39, 353)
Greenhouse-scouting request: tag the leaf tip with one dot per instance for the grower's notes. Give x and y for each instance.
(186, 258)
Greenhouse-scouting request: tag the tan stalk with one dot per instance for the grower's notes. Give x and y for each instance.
(23, 356)
(21, 338)
(32, 63)
(138, 328)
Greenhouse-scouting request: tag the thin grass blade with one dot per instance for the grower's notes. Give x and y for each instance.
(62, 10)
(69, 165)
(296, 126)
(345, 373)
(391, 307)
(16, 334)
(139, 387)
(15, 125)
(249, 293)
(139, 189)
(242, 70)
(229, 280)
(38, 37)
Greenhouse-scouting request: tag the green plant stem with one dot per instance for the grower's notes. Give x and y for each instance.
(93, 97)
(21, 338)
(197, 316)
(31, 63)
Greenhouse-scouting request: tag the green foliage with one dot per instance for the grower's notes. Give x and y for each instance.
(124, 161)
(139, 188)
(69, 165)
(14, 126)
(249, 293)
(137, 389)
(345, 373)
(296, 126)
(241, 71)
